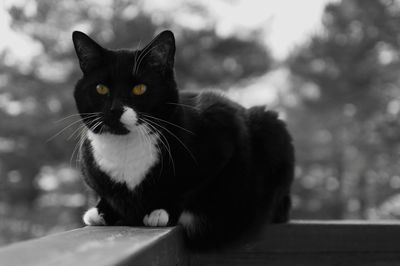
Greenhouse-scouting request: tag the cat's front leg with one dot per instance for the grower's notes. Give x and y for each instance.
(93, 217)
(102, 214)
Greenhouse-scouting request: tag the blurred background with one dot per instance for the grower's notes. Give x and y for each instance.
(331, 68)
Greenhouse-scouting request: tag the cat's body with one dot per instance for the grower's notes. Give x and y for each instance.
(192, 158)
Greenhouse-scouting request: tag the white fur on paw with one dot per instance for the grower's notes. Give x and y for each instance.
(186, 219)
(190, 223)
(158, 217)
(92, 217)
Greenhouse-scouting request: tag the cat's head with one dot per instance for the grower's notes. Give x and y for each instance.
(120, 87)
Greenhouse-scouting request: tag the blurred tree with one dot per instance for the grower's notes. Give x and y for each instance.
(34, 188)
(205, 60)
(347, 121)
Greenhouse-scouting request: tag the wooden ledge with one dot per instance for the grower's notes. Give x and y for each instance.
(99, 245)
(296, 243)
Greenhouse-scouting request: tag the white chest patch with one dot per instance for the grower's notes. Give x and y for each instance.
(125, 158)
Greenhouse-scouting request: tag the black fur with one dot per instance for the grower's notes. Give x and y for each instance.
(233, 170)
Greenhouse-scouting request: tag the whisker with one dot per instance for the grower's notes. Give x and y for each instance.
(184, 105)
(172, 124)
(73, 115)
(159, 150)
(96, 126)
(144, 56)
(172, 134)
(143, 133)
(62, 130)
(165, 144)
(177, 138)
(136, 58)
(84, 125)
(102, 129)
(83, 129)
(77, 148)
(90, 116)
(160, 153)
(81, 142)
(76, 131)
(140, 57)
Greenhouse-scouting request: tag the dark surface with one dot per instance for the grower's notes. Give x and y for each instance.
(297, 243)
(314, 243)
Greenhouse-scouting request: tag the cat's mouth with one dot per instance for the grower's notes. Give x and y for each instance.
(110, 126)
(116, 130)
(117, 123)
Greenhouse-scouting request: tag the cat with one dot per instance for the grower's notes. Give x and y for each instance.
(157, 156)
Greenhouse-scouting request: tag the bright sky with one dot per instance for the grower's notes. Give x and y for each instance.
(285, 23)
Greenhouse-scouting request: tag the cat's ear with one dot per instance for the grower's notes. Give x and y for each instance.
(161, 50)
(89, 53)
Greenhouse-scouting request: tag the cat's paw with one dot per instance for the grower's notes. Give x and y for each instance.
(158, 217)
(93, 217)
(186, 219)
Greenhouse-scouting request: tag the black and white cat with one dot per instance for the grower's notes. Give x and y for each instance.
(159, 157)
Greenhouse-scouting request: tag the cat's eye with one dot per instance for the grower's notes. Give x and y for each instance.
(139, 89)
(102, 89)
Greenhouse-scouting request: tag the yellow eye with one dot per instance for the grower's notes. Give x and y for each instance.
(102, 89)
(139, 89)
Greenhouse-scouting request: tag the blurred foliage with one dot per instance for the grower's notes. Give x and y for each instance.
(346, 120)
(342, 106)
(40, 187)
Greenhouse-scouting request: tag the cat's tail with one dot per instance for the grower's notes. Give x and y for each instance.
(273, 158)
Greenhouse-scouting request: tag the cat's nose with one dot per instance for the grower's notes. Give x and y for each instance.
(115, 111)
(116, 106)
